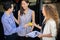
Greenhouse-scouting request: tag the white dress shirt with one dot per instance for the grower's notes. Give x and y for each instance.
(50, 27)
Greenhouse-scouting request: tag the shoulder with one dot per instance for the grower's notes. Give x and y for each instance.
(32, 10)
(51, 22)
(4, 18)
(33, 13)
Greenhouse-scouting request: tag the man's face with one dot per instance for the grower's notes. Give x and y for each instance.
(11, 9)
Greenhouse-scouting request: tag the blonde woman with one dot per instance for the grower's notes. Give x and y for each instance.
(51, 23)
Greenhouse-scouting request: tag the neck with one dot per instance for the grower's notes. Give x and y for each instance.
(27, 8)
(47, 18)
(7, 12)
(26, 11)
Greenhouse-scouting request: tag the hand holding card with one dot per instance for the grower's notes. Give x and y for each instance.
(33, 34)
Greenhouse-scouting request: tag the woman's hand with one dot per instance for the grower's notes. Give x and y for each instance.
(26, 25)
(37, 26)
(40, 35)
(29, 24)
(19, 13)
(31, 30)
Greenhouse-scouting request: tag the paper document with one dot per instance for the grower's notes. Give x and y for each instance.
(33, 34)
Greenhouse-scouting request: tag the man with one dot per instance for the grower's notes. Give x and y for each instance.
(9, 22)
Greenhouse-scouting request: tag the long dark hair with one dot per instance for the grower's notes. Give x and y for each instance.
(21, 9)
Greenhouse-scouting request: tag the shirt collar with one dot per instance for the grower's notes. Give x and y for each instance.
(6, 14)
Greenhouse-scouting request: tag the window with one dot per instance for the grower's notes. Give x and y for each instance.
(33, 2)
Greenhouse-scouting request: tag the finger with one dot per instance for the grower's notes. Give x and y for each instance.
(39, 36)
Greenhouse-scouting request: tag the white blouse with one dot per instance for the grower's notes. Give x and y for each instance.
(50, 27)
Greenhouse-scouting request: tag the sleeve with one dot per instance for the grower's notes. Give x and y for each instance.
(8, 26)
(53, 28)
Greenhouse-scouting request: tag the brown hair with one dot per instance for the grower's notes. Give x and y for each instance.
(51, 12)
(21, 9)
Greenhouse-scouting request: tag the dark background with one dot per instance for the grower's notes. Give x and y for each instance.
(38, 15)
(36, 8)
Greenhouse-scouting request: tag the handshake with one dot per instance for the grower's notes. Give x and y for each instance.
(32, 24)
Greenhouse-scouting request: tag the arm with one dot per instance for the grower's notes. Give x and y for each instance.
(33, 19)
(44, 35)
(17, 21)
(37, 26)
(30, 24)
(53, 30)
(33, 22)
(8, 26)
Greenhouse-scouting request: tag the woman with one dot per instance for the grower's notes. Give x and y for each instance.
(25, 15)
(51, 23)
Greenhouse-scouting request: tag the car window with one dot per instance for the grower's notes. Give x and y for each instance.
(33, 2)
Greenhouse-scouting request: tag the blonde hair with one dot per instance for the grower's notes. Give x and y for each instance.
(51, 12)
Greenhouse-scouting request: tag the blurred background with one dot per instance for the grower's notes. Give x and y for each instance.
(35, 5)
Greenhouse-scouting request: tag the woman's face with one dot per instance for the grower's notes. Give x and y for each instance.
(24, 5)
(43, 11)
